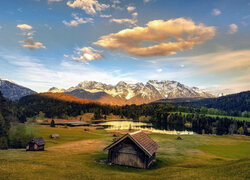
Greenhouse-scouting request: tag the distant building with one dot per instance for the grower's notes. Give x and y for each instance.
(133, 149)
(36, 144)
(54, 136)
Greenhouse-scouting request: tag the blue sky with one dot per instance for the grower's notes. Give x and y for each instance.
(45, 43)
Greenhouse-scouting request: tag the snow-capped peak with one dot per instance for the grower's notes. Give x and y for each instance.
(152, 90)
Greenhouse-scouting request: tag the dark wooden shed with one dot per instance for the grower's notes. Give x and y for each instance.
(133, 149)
(36, 144)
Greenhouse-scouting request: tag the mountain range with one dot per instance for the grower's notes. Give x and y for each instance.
(124, 93)
(120, 94)
(12, 90)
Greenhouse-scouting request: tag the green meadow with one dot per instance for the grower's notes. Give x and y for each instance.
(79, 154)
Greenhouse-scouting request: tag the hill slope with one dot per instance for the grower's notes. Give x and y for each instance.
(65, 97)
(239, 102)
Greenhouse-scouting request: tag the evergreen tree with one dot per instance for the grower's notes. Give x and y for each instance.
(52, 123)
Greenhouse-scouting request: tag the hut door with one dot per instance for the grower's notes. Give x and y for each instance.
(35, 146)
(128, 156)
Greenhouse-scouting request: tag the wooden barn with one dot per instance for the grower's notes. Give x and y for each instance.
(133, 149)
(36, 144)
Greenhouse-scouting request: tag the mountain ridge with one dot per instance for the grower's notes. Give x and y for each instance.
(124, 93)
(12, 90)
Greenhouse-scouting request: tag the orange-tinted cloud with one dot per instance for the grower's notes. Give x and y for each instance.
(160, 34)
(30, 44)
(86, 54)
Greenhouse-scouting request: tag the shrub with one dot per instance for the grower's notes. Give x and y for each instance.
(19, 136)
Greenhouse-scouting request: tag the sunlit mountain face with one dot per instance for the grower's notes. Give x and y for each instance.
(143, 43)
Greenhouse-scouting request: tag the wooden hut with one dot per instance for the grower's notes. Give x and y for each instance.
(36, 144)
(133, 149)
(54, 136)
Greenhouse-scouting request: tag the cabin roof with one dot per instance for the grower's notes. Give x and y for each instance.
(39, 141)
(141, 139)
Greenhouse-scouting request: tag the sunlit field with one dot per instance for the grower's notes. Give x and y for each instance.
(78, 154)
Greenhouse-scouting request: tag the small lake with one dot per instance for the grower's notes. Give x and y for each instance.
(131, 125)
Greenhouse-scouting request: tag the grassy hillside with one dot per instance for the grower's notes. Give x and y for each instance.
(78, 155)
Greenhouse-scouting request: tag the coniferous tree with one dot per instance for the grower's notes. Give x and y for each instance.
(52, 123)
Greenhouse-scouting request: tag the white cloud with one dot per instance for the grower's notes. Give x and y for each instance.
(216, 12)
(77, 20)
(185, 32)
(24, 27)
(32, 73)
(233, 28)
(86, 54)
(159, 70)
(130, 22)
(146, 1)
(89, 6)
(30, 44)
(105, 15)
(1, 27)
(115, 6)
(131, 8)
(124, 21)
(134, 15)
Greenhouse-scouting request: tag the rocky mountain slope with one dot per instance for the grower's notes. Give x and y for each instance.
(139, 93)
(12, 90)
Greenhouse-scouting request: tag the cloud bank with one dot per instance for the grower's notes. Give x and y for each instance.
(159, 34)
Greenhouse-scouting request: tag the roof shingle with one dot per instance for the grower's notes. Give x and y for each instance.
(39, 141)
(145, 141)
(141, 139)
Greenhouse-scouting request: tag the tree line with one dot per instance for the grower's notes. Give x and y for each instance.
(164, 116)
(233, 105)
(12, 133)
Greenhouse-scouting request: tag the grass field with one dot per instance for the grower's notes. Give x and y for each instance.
(77, 154)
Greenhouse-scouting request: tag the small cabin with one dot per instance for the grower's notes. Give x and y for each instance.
(133, 149)
(54, 136)
(36, 144)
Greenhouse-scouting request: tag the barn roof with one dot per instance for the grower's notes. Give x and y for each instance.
(141, 139)
(39, 141)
